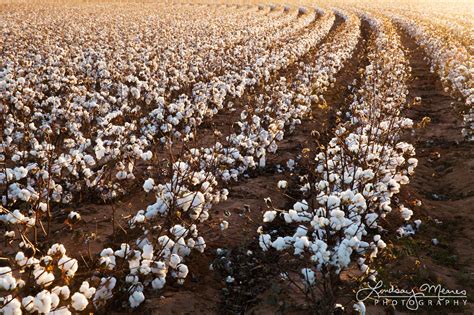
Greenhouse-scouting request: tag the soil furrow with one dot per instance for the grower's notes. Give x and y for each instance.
(443, 182)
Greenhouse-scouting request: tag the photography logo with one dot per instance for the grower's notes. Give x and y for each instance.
(414, 299)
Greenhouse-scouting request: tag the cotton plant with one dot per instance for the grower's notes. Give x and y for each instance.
(350, 184)
(45, 284)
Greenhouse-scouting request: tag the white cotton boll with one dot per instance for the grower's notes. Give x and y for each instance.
(435, 241)
(417, 224)
(159, 268)
(15, 217)
(54, 300)
(333, 202)
(158, 283)
(174, 261)
(269, 216)
(381, 244)
(12, 306)
(63, 292)
(149, 185)
(24, 194)
(75, 216)
(86, 290)
(192, 201)
(133, 279)
(122, 252)
(406, 213)
(290, 164)
(224, 225)
(200, 244)
(147, 252)
(43, 206)
(181, 273)
(146, 156)
(121, 175)
(229, 279)
(89, 159)
(107, 262)
(377, 238)
(57, 249)
(301, 231)
(79, 301)
(42, 302)
(136, 298)
(43, 278)
(393, 186)
(28, 303)
(179, 231)
(68, 265)
(7, 281)
(145, 267)
(308, 276)
(300, 206)
(279, 244)
(282, 184)
(265, 241)
(20, 259)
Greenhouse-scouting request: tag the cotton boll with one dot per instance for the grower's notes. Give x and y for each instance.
(181, 273)
(200, 244)
(282, 184)
(147, 252)
(86, 290)
(57, 249)
(300, 206)
(158, 283)
(269, 216)
(265, 242)
(381, 244)
(309, 276)
(224, 225)
(149, 185)
(74, 216)
(7, 281)
(28, 303)
(43, 278)
(417, 224)
(42, 302)
(63, 292)
(146, 156)
(79, 301)
(136, 298)
(174, 261)
(68, 265)
(24, 194)
(54, 300)
(333, 202)
(11, 306)
(406, 213)
(121, 175)
(279, 244)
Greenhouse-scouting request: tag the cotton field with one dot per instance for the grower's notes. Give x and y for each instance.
(235, 157)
